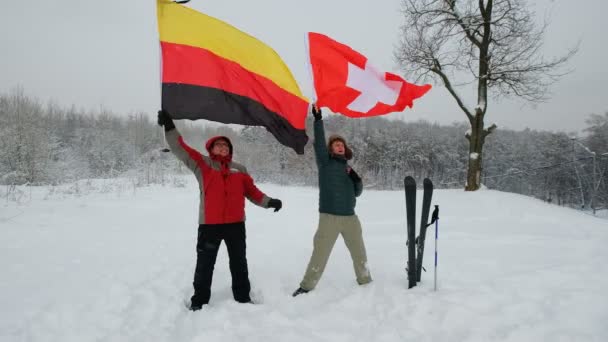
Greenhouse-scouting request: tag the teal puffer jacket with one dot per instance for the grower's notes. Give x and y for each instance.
(337, 191)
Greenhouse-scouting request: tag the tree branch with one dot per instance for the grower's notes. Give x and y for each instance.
(489, 130)
(466, 29)
(437, 69)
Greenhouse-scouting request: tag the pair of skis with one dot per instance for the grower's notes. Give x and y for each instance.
(415, 244)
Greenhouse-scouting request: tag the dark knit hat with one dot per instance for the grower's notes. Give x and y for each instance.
(348, 153)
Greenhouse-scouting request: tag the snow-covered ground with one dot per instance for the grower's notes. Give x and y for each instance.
(118, 266)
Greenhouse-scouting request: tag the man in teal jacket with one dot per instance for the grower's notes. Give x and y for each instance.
(339, 185)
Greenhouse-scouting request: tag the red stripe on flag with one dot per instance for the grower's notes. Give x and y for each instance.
(197, 66)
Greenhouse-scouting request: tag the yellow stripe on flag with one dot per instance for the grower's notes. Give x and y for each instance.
(181, 25)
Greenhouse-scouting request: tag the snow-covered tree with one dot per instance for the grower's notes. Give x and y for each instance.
(493, 46)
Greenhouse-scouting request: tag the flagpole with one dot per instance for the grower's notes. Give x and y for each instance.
(309, 68)
(160, 82)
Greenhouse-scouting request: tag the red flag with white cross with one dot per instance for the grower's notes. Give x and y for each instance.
(347, 83)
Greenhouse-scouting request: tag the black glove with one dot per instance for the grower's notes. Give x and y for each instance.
(316, 112)
(276, 204)
(354, 176)
(164, 119)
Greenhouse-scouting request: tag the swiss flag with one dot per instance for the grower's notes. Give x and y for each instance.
(346, 83)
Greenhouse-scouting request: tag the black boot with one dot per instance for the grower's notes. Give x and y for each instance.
(195, 307)
(300, 291)
(195, 304)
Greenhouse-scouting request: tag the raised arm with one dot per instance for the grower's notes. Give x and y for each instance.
(189, 156)
(321, 152)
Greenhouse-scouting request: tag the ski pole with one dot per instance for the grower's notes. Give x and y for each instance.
(436, 229)
(435, 218)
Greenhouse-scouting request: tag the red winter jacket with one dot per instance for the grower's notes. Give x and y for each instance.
(223, 183)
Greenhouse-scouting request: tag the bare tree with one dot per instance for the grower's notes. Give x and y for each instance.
(494, 45)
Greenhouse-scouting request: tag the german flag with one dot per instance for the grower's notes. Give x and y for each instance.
(213, 71)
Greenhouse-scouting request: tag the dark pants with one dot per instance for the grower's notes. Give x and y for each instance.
(210, 237)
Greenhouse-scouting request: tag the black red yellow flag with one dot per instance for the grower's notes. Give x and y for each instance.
(213, 71)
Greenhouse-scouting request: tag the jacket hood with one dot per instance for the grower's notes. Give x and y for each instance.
(211, 141)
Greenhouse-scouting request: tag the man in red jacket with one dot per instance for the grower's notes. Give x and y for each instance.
(223, 186)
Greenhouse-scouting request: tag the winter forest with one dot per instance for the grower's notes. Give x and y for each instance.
(64, 147)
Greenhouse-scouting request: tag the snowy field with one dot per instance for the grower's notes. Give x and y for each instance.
(118, 266)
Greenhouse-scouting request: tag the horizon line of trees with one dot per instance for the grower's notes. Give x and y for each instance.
(46, 144)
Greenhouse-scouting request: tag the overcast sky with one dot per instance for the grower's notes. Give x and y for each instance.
(95, 53)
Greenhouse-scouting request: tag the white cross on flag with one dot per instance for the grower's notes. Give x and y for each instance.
(346, 83)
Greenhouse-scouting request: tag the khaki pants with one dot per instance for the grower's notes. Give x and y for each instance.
(330, 226)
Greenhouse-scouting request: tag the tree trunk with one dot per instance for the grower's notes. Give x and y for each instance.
(476, 139)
